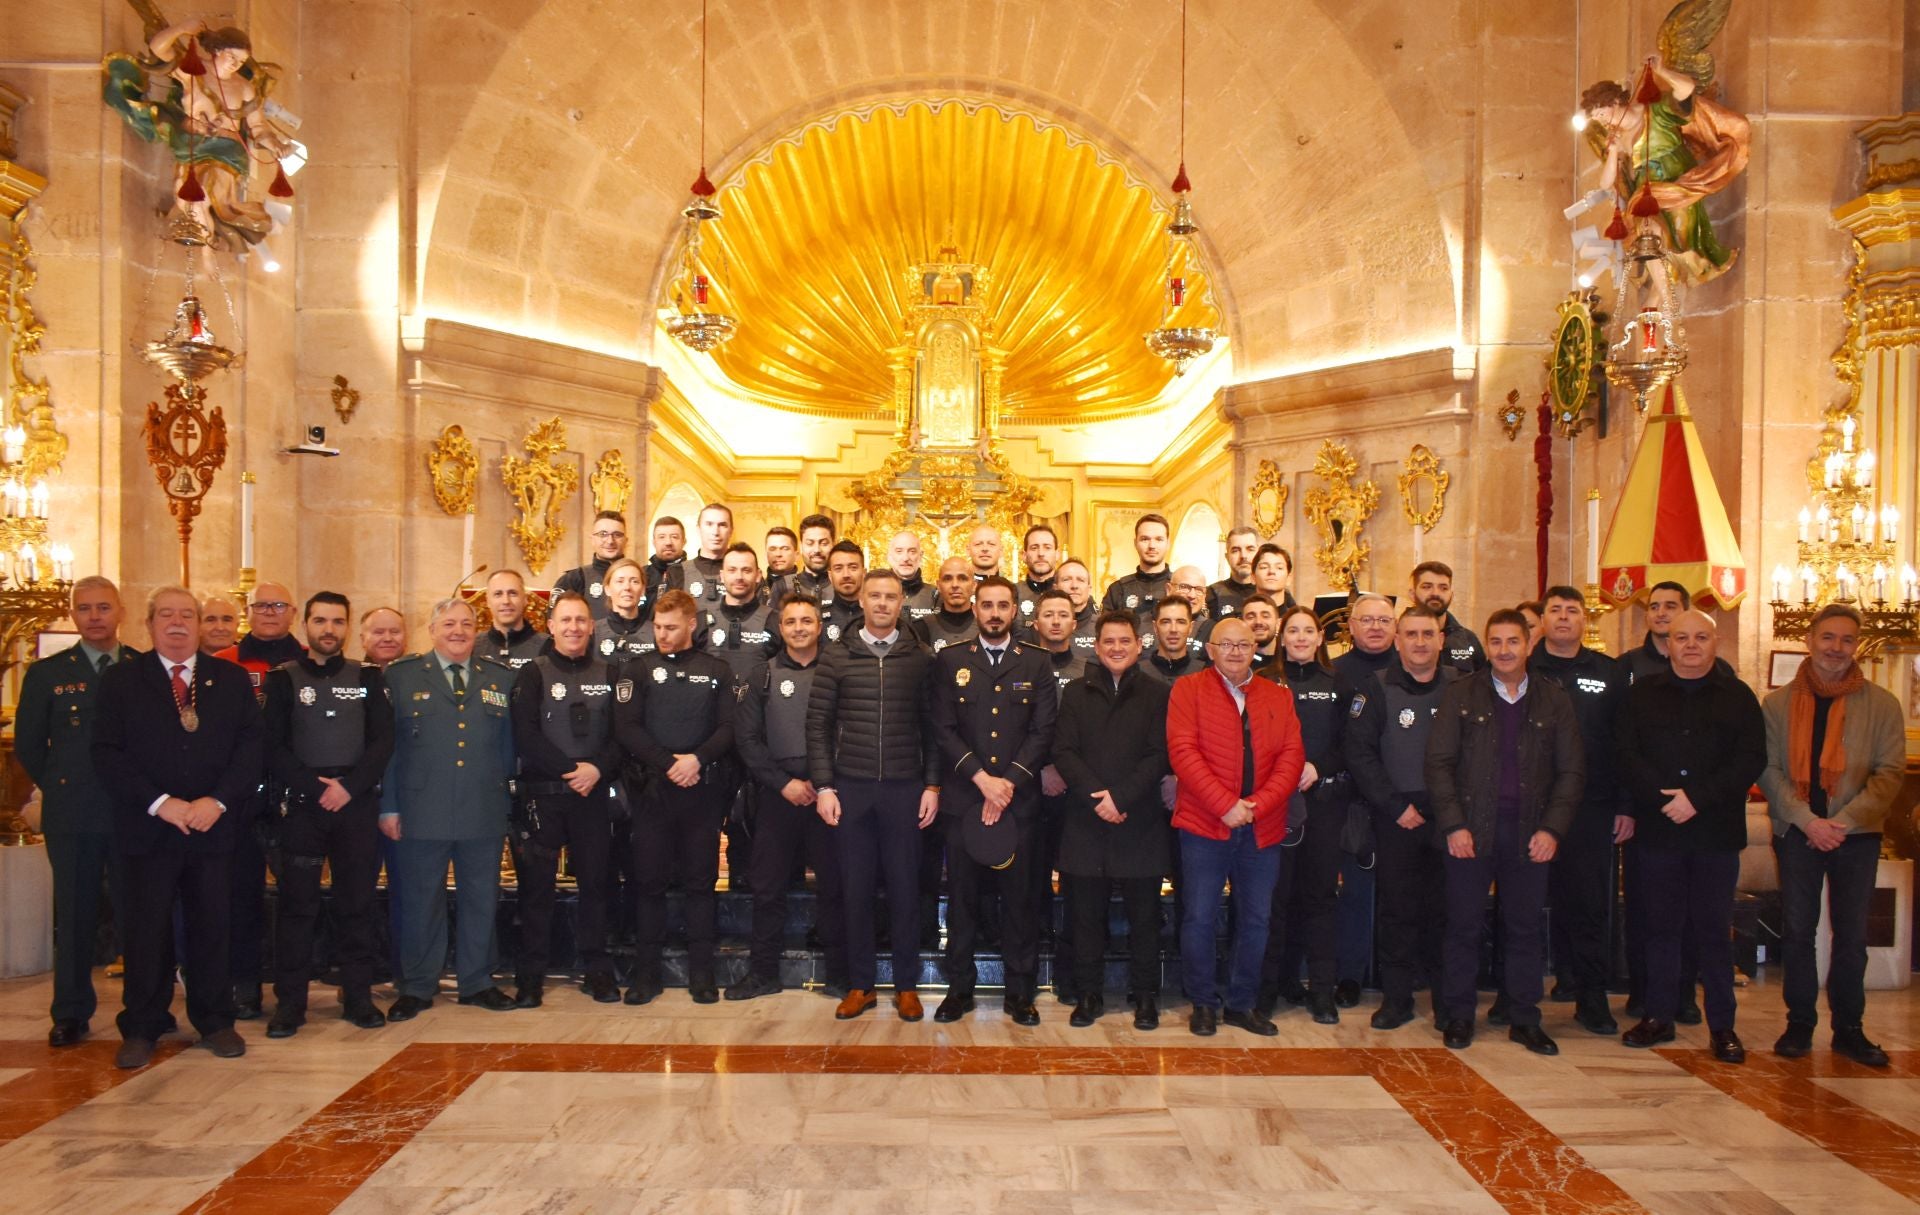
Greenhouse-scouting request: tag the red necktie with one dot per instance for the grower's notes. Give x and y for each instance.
(180, 685)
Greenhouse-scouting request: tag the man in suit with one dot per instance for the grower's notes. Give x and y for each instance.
(445, 799)
(53, 736)
(177, 742)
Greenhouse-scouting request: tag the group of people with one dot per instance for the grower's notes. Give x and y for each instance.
(885, 733)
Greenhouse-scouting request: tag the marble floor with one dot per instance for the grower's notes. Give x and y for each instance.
(772, 1106)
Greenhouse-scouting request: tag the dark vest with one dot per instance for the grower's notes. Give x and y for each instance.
(681, 696)
(329, 716)
(518, 651)
(840, 618)
(741, 636)
(615, 642)
(576, 707)
(786, 714)
(703, 579)
(942, 629)
(1409, 717)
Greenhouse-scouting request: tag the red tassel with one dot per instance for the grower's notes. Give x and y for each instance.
(1617, 230)
(1649, 90)
(190, 190)
(702, 185)
(1644, 204)
(190, 62)
(281, 187)
(1180, 183)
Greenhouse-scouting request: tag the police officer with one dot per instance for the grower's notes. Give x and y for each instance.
(1053, 637)
(1385, 743)
(625, 632)
(1073, 577)
(1188, 584)
(1370, 626)
(817, 537)
(1432, 585)
(1053, 628)
(219, 623)
(1173, 654)
(1263, 620)
(563, 731)
(609, 536)
(666, 568)
(953, 622)
(445, 799)
(53, 736)
(512, 639)
(1224, 597)
(1151, 582)
(1040, 551)
(771, 738)
(715, 525)
(783, 562)
(983, 551)
(1580, 885)
(673, 717)
(744, 627)
(903, 558)
(846, 566)
(329, 737)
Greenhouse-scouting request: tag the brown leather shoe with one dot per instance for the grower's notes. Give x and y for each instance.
(224, 1043)
(133, 1053)
(857, 1002)
(907, 1003)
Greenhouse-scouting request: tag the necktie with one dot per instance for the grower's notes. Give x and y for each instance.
(180, 685)
(459, 673)
(106, 660)
(880, 648)
(993, 658)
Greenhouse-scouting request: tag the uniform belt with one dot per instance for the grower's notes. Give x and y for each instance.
(1335, 779)
(539, 787)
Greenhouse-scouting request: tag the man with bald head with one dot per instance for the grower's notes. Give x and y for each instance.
(983, 551)
(903, 558)
(219, 623)
(1689, 742)
(1190, 586)
(952, 620)
(383, 636)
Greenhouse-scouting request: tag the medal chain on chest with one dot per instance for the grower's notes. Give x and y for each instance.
(189, 714)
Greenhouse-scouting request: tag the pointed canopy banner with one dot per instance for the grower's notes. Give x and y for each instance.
(1670, 525)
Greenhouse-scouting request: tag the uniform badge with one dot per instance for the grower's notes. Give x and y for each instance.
(786, 687)
(833, 632)
(719, 637)
(939, 643)
(1358, 706)
(659, 674)
(559, 691)
(308, 695)
(1133, 601)
(694, 589)
(623, 691)
(1026, 607)
(606, 646)
(1407, 718)
(596, 590)
(963, 677)
(491, 696)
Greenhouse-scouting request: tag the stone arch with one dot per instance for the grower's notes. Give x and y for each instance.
(1197, 540)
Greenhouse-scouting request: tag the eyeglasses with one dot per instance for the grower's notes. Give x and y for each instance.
(1233, 647)
(609, 535)
(271, 607)
(1373, 620)
(1188, 587)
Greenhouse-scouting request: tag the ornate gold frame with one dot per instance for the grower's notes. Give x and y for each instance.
(1267, 480)
(346, 399)
(540, 486)
(1423, 466)
(1511, 416)
(611, 482)
(1340, 510)
(453, 467)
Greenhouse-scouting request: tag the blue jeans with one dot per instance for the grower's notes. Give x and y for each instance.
(1206, 866)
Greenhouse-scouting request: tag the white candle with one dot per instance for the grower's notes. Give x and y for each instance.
(1808, 584)
(1859, 522)
(466, 543)
(1806, 522)
(1879, 582)
(1866, 466)
(1846, 434)
(1593, 537)
(1418, 533)
(1779, 584)
(15, 444)
(30, 565)
(1909, 583)
(246, 520)
(1843, 582)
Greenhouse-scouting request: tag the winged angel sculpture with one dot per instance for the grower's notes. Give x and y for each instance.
(1667, 145)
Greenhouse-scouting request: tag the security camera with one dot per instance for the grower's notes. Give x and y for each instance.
(315, 444)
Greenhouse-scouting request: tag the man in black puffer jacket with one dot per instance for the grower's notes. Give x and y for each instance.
(875, 768)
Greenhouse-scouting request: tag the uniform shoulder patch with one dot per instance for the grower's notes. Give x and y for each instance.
(1358, 706)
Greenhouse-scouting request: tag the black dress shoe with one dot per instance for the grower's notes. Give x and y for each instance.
(529, 995)
(1647, 1033)
(1346, 993)
(957, 1005)
(406, 1008)
(363, 1016)
(1392, 1016)
(1534, 1039)
(1146, 1014)
(641, 993)
(601, 989)
(492, 999)
(1796, 1042)
(224, 1043)
(1458, 1035)
(69, 1032)
(1497, 1015)
(1727, 1046)
(1087, 1011)
(286, 1022)
(703, 989)
(1854, 1044)
(1205, 1021)
(1251, 1021)
(1322, 1004)
(1022, 1011)
(1592, 1014)
(1293, 991)
(751, 988)
(1688, 1013)
(246, 1004)
(133, 1053)
(1066, 996)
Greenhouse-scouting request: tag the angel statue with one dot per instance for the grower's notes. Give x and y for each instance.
(1667, 145)
(199, 90)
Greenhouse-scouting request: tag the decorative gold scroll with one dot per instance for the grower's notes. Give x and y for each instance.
(454, 468)
(346, 399)
(611, 482)
(1267, 498)
(1511, 416)
(1423, 480)
(540, 486)
(1340, 510)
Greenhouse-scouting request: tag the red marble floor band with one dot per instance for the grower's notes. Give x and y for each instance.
(1524, 1166)
(60, 1080)
(1786, 1091)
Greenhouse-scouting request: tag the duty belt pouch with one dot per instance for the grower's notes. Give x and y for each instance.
(1356, 830)
(619, 804)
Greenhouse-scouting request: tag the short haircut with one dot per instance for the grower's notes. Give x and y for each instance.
(625, 563)
(1145, 519)
(612, 516)
(1686, 596)
(1431, 567)
(1035, 530)
(875, 575)
(1833, 611)
(674, 601)
(719, 506)
(553, 608)
(331, 598)
(1562, 592)
(1126, 619)
(781, 529)
(818, 521)
(795, 597)
(507, 572)
(97, 582)
(1264, 549)
(848, 546)
(159, 592)
(1250, 600)
(669, 521)
(1510, 616)
(741, 546)
(392, 611)
(442, 606)
(993, 580)
(1173, 601)
(1363, 596)
(1073, 561)
(1243, 530)
(1053, 592)
(1420, 611)
(1537, 606)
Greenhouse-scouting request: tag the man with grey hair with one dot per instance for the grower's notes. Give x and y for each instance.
(445, 799)
(53, 736)
(219, 623)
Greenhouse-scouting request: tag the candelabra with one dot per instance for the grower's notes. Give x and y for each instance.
(36, 582)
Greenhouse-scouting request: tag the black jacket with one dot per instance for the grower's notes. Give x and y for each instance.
(1116, 741)
(1317, 703)
(1365, 707)
(868, 717)
(1460, 648)
(997, 719)
(539, 759)
(1463, 760)
(1705, 737)
(1597, 686)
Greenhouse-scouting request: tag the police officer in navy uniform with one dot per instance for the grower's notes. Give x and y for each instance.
(904, 559)
(1433, 589)
(702, 574)
(846, 566)
(952, 622)
(329, 737)
(562, 707)
(625, 632)
(513, 639)
(666, 567)
(994, 702)
(817, 538)
(1040, 552)
(771, 737)
(1152, 581)
(1073, 577)
(1224, 597)
(1174, 654)
(1054, 638)
(783, 562)
(676, 727)
(1053, 635)
(744, 631)
(609, 536)
(53, 736)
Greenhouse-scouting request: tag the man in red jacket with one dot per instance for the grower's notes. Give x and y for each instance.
(1234, 743)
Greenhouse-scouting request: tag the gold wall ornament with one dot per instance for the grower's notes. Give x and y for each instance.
(1570, 366)
(540, 486)
(611, 482)
(346, 399)
(453, 467)
(1512, 417)
(1423, 488)
(186, 445)
(28, 400)
(1267, 497)
(1340, 510)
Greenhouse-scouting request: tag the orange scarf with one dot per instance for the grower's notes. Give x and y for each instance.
(1833, 757)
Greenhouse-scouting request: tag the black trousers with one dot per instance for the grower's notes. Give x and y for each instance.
(1580, 889)
(1046, 845)
(583, 826)
(1633, 879)
(968, 884)
(201, 883)
(1848, 873)
(247, 900)
(783, 832)
(83, 866)
(879, 839)
(676, 833)
(1306, 909)
(1412, 919)
(1088, 899)
(349, 840)
(1689, 897)
(1501, 860)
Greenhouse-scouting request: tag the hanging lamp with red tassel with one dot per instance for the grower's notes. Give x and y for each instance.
(190, 190)
(1644, 204)
(1617, 230)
